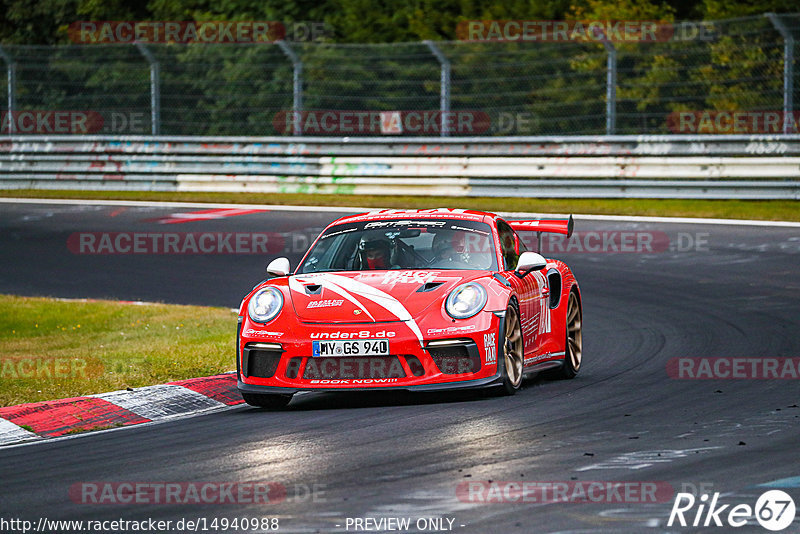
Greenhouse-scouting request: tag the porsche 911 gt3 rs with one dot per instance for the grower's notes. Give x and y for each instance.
(414, 300)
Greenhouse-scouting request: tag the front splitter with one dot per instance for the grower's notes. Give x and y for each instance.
(447, 386)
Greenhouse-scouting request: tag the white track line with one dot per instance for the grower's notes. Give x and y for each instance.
(158, 204)
(355, 209)
(684, 220)
(131, 302)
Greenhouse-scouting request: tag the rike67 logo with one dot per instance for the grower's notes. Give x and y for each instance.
(774, 510)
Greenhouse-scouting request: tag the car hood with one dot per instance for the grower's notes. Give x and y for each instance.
(371, 296)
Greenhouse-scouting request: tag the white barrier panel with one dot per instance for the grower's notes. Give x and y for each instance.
(612, 167)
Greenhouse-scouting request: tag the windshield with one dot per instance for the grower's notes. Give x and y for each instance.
(403, 244)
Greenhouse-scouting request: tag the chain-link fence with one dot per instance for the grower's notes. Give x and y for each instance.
(486, 88)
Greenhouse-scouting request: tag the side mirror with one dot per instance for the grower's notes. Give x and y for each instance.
(279, 267)
(530, 261)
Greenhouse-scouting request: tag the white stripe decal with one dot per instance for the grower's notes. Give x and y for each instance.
(381, 298)
(342, 292)
(296, 285)
(347, 287)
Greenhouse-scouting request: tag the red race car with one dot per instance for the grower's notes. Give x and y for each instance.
(414, 300)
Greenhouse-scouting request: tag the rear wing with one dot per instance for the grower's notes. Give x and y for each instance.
(553, 226)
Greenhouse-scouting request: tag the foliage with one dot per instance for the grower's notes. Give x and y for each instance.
(356, 21)
(371, 58)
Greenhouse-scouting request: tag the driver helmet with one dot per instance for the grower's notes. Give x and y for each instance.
(375, 254)
(448, 243)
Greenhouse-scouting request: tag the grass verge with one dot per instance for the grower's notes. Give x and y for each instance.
(52, 349)
(771, 210)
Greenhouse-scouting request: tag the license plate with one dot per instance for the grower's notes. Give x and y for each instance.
(354, 347)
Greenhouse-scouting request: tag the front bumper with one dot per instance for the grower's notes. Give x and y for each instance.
(449, 357)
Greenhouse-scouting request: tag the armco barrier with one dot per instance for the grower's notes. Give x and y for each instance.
(752, 167)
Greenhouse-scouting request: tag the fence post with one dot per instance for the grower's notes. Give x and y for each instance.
(297, 86)
(11, 68)
(788, 69)
(444, 91)
(611, 88)
(155, 89)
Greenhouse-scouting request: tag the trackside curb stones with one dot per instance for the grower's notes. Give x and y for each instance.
(34, 421)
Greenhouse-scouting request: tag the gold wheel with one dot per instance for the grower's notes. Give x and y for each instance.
(512, 351)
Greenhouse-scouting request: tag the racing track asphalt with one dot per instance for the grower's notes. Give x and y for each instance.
(622, 419)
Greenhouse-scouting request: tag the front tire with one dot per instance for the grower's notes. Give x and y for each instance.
(573, 357)
(512, 352)
(261, 400)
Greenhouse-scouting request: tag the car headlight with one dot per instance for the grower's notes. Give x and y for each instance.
(465, 301)
(265, 305)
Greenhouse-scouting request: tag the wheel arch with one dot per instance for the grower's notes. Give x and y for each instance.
(577, 290)
(499, 291)
(511, 300)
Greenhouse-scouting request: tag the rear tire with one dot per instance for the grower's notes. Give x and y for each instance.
(261, 400)
(512, 354)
